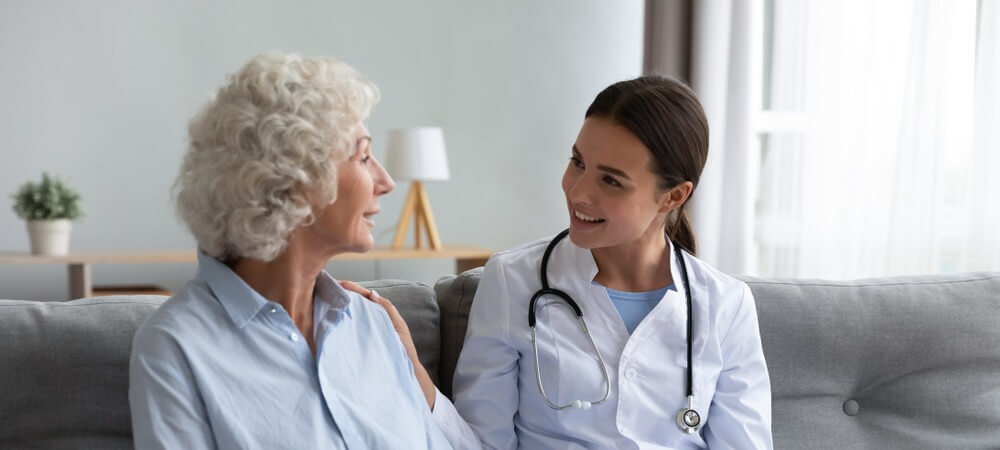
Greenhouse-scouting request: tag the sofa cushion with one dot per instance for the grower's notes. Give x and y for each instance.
(64, 371)
(416, 303)
(909, 362)
(454, 296)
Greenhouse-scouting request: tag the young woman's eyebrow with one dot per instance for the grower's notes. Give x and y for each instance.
(603, 168)
(613, 171)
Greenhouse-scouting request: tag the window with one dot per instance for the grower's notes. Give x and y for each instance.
(871, 138)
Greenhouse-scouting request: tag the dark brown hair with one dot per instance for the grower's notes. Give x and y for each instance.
(667, 117)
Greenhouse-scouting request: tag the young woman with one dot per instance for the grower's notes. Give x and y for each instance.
(617, 336)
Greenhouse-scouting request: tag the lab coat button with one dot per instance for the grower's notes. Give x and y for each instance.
(631, 374)
(851, 407)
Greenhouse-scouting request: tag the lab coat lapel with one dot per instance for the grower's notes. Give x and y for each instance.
(599, 312)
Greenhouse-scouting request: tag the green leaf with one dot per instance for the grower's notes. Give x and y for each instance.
(51, 199)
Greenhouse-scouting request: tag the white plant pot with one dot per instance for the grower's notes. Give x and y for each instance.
(49, 237)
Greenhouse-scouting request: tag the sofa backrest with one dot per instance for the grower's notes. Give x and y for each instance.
(905, 362)
(885, 363)
(908, 362)
(64, 365)
(64, 371)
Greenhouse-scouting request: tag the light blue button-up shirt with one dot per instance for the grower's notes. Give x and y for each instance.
(220, 366)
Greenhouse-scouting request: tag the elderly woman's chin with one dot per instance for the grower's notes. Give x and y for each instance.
(337, 240)
(362, 243)
(358, 240)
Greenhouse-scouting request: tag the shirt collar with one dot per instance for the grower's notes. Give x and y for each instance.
(242, 303)
(330, 296)
(584, 259)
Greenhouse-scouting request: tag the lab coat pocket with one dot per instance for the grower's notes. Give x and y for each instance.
(580, 376)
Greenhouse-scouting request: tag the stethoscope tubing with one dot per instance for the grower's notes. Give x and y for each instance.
(546, 290)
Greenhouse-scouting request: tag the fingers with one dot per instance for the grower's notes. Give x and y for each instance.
(352, 286)
(380, 300)
(398, 323)
(370, 294)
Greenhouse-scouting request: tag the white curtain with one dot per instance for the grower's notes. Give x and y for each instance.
(721, 208)
(889, 170)
(983, 243)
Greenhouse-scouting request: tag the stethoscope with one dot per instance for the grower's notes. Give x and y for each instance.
(688, 420)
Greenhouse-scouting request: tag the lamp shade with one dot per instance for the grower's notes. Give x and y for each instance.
(417, 154)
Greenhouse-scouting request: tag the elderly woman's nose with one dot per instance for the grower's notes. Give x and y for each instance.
(384, 183)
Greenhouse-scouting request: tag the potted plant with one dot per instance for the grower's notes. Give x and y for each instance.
(49, 208)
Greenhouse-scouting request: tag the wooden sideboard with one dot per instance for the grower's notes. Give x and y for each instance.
(79, 263)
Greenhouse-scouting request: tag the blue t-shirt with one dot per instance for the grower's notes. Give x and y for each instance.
(634, 306)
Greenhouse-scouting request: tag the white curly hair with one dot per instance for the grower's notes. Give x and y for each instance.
(263, 147)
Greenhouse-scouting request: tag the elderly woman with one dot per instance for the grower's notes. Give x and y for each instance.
(263, 349)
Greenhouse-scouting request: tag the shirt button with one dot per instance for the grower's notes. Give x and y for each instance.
(631, 374)
(294, 337)
(274, 310)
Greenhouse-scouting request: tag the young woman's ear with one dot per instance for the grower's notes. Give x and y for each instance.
(674, 197)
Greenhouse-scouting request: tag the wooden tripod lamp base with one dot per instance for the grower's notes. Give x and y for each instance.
(417, 204)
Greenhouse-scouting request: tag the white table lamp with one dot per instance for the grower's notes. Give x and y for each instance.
(417, 154)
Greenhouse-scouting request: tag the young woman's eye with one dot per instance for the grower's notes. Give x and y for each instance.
(576, 161)
(611, 181)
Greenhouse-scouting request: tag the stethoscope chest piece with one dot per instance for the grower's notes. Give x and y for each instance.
(688, 420)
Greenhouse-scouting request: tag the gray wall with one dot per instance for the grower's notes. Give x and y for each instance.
(99, 93)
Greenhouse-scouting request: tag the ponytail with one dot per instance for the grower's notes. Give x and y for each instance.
(666, 115)
(681, 233)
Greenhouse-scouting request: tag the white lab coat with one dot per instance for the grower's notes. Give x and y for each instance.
(497, 395)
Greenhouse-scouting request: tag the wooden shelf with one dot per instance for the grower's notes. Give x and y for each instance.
(187, 256)
(79, 262)
(102, 257)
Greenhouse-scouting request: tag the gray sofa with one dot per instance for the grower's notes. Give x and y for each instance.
(882, 363)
